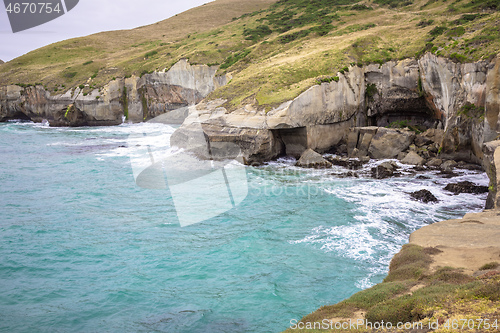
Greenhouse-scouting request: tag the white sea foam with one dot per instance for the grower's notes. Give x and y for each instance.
(386, 214)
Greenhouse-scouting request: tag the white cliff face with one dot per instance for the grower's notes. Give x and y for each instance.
(450, 85)
(431, 90)
(327, 103)
(138, 97)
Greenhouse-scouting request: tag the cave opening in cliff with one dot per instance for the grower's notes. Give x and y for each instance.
(17, 116)
(292, 141)
(414, 113)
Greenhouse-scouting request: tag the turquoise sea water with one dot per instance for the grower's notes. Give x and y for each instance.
(83, 249)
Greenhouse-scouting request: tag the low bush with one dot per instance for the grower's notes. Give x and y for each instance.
(361, 7)
(425, 23)
(456, 32)
(457, 57)
(231, 60)
(393, 3)
(257, 33)
(69, 75)
(150, 54)
(491, 265)
(437, 31)
(293, 36)
(409, 264)
(323, 29)
(328, 79)
(371, 90)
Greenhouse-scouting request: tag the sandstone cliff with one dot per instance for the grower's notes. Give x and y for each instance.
(135, 99)
(462, 99)
(433, 92)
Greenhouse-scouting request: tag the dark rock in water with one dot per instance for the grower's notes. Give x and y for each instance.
(472, 167)
(424, 195)
(419, 168)
(341, 149)
(447, 174)
(383, 170)
(466, 187)
(349, 163)
(434, 162)
(311, 159)
(349, 174)
(423, 177)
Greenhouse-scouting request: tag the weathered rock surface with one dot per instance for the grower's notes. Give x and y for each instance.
(349, 163)
(467, 243)
(491, 164)
(424, 195)
(393, 94)
(431, 91)
(430, 136)
(388, 142)
(448, 165)
(311, 159)
(434, 162)
(449, 86)
(139, 98)
(175, 117)
(383, 170)
(466, 187)
(413, 158)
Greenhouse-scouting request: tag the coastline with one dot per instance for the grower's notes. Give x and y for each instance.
(448, 272)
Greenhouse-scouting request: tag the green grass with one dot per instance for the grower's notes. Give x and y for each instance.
(409, 264)
(425, 297)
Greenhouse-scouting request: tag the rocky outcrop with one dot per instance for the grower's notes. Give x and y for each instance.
(431, 92)
(449, 87)
(393, 94)
(388, 142)
(384, 170)
(491, 163)
(311, 159)
(466, 187)
(458, 103)
(1, 62)
(134, 98)
(413, 158)
(424, 195)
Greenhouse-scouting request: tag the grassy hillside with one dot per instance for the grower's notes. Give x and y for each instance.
(275, 50)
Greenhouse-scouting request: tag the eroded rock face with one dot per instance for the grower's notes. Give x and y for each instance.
(430, 90)
(413, 158)
(449, 86)
(388, 142)
(393, 94)
(138, 98)
(383, 170)
(311, 159)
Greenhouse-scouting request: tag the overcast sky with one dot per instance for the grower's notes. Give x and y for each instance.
(88, 17)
